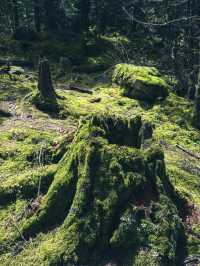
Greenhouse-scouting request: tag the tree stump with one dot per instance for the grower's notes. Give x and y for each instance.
(45, 84)
(47, 93)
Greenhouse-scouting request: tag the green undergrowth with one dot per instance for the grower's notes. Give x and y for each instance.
(27, 184)
(90, 210)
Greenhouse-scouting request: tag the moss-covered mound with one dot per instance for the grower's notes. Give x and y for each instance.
(110, 201)
(141, 83)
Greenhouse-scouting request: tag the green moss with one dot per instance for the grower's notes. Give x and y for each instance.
(100, 184)
(186, 183)
(141, 83)
(17, 87)
(11, 217)
(22, 149)
(26, 185)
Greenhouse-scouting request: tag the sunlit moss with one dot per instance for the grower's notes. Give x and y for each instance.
(97, 181)
(142, 83)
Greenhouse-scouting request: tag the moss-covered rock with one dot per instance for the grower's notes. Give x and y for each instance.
(139, 82)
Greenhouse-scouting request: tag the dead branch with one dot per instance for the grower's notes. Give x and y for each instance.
(196, 156)
(80, 89)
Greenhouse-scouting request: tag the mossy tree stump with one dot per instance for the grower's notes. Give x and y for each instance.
(109, 198)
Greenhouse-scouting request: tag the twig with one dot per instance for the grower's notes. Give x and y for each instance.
(188, 152)
(17, 227)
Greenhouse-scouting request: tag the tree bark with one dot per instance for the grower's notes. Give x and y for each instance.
(37, 15)
(15, 14)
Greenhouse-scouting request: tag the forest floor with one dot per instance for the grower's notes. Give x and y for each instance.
(30, 139)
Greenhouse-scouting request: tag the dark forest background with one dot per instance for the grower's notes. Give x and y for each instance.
(164, 33)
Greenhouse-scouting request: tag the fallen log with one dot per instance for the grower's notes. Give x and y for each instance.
(78, 88)
(188, 152)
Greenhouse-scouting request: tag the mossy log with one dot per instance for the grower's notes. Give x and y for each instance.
(109, 199)
(141, 83)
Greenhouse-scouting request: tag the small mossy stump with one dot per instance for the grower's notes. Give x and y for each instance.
(46, 99)
(109, 199)
(141, 83)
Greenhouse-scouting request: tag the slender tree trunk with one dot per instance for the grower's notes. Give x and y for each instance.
(84, 14)
(37, 14)
(15, 14)
(197, 105)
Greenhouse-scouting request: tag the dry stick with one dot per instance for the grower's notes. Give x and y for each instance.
(40, 164)
(17, 227)
(78, 88)
(188, 152)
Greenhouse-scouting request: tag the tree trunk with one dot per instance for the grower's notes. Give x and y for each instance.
(15, 14)
(37, 15)
(197, 106)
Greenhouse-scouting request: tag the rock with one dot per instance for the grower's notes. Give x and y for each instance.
(15, 70)
(95, 100)
(141, 83)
